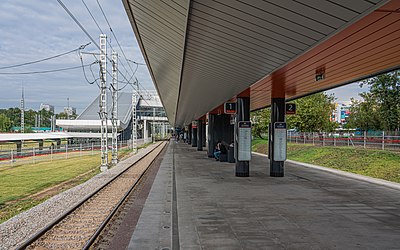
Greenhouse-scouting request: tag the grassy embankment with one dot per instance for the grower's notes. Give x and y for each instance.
(25, 186)
(370, 162)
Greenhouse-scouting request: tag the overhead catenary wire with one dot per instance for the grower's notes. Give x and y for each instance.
(101, 30)
(44, 71)
(45, 59)
(116, 39)
(91, 38)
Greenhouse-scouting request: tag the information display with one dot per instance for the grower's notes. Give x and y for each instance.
(244, 141)
(194, 124)
(280, 141)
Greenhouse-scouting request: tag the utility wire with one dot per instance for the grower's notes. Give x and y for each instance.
(100, 29)
(90, 37)
(44, 71)
(116, 39)
(45, 59)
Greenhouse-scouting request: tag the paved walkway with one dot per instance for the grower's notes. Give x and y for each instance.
(306, 209)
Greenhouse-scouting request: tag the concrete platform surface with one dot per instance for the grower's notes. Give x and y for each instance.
(306, 209)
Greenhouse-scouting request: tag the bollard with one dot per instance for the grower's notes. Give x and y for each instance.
(92, 148)
(80, 150)
(33, 155)
(66, 151)
(383, 140)
(51, 153)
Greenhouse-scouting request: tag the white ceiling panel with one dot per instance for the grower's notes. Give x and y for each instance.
(201, 53)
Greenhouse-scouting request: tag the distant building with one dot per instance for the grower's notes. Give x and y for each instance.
(341, 113)
(47, 107)
(70, 110)
(150, 114)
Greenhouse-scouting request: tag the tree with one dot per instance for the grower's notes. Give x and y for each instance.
(385, 90)
(313, 113)
(5, 123)
(260, 120)
(365, 114)
(65, 116)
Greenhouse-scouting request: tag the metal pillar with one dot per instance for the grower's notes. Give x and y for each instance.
(114, 118)
(22, 112)
(199, 135)
(145, 132)
(242, 114)
(277, 115)
(103, 102)
(134, 123)
(40, 145)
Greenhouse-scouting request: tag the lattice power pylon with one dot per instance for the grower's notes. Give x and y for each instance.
(103, 102)
(114, 89)
(22, 112)
(134, 124)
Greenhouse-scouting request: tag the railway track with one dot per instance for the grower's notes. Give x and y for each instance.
(79, 227)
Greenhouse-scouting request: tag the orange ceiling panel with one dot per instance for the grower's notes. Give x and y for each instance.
(368, 47)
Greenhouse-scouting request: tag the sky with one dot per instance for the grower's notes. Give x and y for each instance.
(36, 29)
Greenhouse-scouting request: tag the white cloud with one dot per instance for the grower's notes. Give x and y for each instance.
(31, 30)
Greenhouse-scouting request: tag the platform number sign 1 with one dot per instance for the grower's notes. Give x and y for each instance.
(290, 108)
(230, 108)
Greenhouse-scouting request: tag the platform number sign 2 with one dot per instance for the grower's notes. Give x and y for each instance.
(290, 108)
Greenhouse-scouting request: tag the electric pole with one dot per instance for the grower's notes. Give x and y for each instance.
(134, 125)
(22, 112)
(114, 89)
(103, 102)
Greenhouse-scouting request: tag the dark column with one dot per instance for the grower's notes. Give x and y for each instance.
(210, 137)
(204, 133)
(219, 129)
(189, 134)
(19, 147)
(194, 136)
(40, 145)
(277, 115)
(199, 135)
(242, 114)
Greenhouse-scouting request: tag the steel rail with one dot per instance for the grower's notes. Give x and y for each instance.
(44, 230)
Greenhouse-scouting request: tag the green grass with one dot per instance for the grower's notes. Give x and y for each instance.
(374, 163)
(25, 186)
(24, 180)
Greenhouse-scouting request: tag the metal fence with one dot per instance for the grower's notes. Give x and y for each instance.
(376, 139)
(65, 151)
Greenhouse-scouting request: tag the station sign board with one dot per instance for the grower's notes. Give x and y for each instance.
(290, 108)
(244, 141)
(194, 124)
(230, 108)
(279, 141)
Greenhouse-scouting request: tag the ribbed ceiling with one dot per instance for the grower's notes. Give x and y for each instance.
(226, 46)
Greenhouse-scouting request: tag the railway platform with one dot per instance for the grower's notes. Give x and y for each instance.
(198, 203)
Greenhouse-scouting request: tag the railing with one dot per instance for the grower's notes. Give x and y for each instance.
(377, 139)
(34, 155)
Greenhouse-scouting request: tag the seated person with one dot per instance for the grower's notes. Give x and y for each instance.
(219, 149)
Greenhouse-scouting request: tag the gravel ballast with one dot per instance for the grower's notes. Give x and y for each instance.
(23, 226)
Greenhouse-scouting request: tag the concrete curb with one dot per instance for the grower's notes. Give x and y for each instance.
(389, 184)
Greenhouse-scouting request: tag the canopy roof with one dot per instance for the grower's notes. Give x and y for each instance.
(201, 53)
